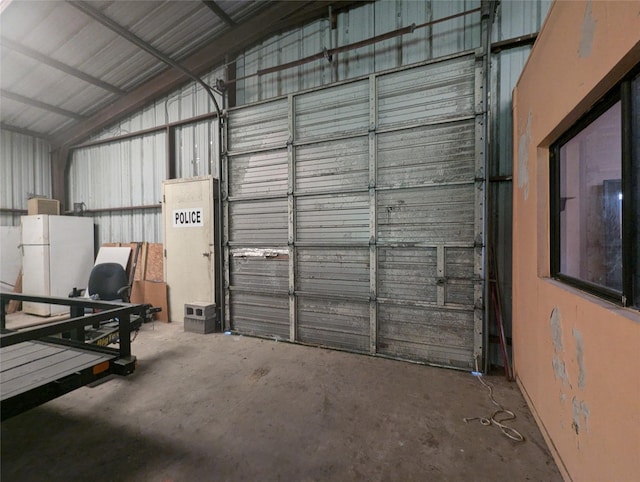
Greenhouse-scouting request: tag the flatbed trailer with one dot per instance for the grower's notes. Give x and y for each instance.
(39, 364)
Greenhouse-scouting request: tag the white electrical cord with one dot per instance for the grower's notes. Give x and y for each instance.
(510, 432)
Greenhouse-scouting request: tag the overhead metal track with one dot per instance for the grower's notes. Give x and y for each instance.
(328, 54)
(215, 8)
(133, 38)
(40, 105)
(35, 55)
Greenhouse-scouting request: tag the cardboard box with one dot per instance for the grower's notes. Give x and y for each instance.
(153, 293)
(38, 205)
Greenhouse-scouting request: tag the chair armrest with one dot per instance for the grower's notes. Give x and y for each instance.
(124, 293)
(77, 292)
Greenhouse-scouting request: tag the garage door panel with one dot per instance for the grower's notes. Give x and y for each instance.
(262, 315)
(333, 323)
(337, 218)
(431, 154)
(333, 166)
(407, 274)
(430, 93)
(436, 214)
(331, 112)
(258, 273)
(335, 271)
(420, 333)
(262, 126)
(258, 174)
(264, 222)
(370, 186)
(460, 275)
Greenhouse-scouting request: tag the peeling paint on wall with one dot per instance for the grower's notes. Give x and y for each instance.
(588, 31)
(580, 416)
(559, 368)
(523, 158)
(582, 374)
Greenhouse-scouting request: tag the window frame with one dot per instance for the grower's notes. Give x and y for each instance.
(621, 92)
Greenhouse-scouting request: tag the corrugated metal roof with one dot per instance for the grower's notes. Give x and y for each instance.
(59, 56)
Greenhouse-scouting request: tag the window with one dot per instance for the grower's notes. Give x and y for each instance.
(595, 198)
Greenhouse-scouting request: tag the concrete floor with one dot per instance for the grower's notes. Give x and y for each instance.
(218, 408)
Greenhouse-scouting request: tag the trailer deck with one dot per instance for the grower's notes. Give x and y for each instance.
(38, 364)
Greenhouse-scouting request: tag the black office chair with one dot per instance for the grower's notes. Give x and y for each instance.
(109, 282)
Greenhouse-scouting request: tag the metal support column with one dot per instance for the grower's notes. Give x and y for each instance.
(291, 220)
(373, 250)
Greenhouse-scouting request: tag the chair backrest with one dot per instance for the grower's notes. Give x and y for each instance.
(109, 281)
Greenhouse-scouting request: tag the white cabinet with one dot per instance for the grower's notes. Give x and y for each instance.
(57, 256)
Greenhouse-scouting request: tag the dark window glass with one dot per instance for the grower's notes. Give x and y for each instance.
(595, 198)
(591, 202)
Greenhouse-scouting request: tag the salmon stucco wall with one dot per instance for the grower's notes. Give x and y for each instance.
(577, 358)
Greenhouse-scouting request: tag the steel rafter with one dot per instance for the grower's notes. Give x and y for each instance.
(215, 8)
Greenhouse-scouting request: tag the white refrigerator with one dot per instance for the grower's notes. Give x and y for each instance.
(57, 256)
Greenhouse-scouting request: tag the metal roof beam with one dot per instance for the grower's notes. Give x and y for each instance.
(62, 67)
(40, 105)
(215, 8)
(23, 131)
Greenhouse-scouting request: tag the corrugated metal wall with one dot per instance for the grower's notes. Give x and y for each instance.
(25, 170)
(119, 175)
(354, 213)
(129, 173)
(351, 26)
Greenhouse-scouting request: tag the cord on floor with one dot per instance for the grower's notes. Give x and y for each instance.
(510, 432)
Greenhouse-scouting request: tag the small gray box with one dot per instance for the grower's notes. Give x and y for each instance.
(196, 325)
(200, 310)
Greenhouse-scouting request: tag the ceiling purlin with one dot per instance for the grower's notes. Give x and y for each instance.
(40, 105)
(215, 8)
(62, 67)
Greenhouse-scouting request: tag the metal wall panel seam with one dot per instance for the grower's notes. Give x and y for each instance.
(257, 290)
(333, 296)
(373, 253)
(425, 304)
(425, 185)
(437, 122)
(291, 219)
(419, 245)
(258, 197)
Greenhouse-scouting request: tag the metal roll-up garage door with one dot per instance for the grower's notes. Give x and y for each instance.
(354, 215)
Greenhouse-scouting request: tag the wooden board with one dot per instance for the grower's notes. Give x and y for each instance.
(153, 293)
(155, 262)
(114, 254)
(15, 305)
